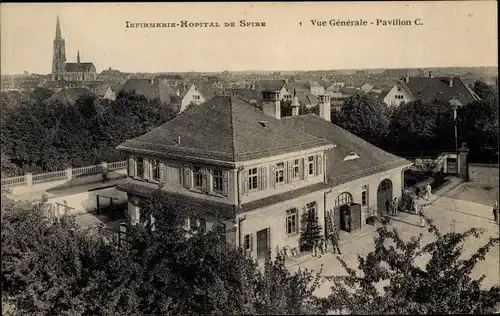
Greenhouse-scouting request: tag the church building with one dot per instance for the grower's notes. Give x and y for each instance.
(61, 70)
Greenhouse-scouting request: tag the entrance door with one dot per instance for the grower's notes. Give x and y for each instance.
(384, 196)
(342, 201)
(262, 243)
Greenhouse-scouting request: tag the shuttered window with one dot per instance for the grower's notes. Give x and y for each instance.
(225, 182)
(140, 167)
(198, 178)
(155, 170)
(147, 169)
(310, 165)
(217, 181)
(187, 176)
(163, 172)
(245, 182)
(319, 164)
(279, 173)
(263, 181)
(131, 167)
(289, 171)
(296, 169)
(301, 169)
(253, 179)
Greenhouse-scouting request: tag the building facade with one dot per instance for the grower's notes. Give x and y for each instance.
(430, 88)
(257, 173)
(61, 70)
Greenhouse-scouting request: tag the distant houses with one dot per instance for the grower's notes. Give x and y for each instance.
(430, 88)
(200, 92)
(69, 95)
(108, 91)
(151, 89)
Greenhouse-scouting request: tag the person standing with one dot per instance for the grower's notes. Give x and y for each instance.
(335, 240)
(322, 246)
(394, 207)
(495, 212)
(428, 191)
(421, 215)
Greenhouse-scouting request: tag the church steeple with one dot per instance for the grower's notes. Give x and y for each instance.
(78, 56)
(58, 30)
(59, 57)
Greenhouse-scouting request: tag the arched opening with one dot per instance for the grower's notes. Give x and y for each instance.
(342, 203)
(384, 196)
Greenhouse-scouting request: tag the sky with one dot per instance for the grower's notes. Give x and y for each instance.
(453, 34)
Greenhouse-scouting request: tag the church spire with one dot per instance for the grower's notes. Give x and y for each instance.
(78, 56)
(58, 29)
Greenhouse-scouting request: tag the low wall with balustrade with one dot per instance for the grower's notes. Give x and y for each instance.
(34, 183)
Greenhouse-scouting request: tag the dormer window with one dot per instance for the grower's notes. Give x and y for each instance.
(351, 156)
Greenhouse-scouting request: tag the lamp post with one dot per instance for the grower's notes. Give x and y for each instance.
(456, 134)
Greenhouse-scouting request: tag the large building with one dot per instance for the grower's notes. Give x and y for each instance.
(430, 88)
(61, 70)
(256, 172)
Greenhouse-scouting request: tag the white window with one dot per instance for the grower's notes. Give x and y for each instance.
(310, 162)
(197, 177)
(217, 182)
(291, 221)
(280, 172)
(296, 169)
(252, 179)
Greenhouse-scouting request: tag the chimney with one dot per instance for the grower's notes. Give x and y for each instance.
(295, 106)
(271, 104)
(451, 82)
(325, 107)
(407, 78)
(430, 74)
(78, 56)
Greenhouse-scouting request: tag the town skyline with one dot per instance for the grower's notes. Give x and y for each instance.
(27, 42)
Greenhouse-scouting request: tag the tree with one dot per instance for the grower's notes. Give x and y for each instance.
(479, 120)
(422, 126)
(484, 91)
(47, 136)
(57, 268)
(443, 286)
(310, 230)
(363, 116)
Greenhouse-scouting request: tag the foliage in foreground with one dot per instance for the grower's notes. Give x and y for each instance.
(444, 285)
(56, 268)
